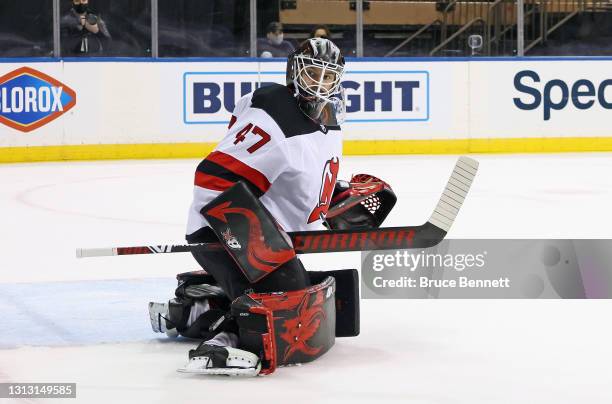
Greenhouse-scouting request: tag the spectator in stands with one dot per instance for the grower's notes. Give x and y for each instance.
(274, 45)
(83, 32)
(320, 31)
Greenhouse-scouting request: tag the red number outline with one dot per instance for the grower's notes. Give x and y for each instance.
(241, 135)
(265, 138)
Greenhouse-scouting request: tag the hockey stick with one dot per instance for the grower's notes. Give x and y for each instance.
(387, 238)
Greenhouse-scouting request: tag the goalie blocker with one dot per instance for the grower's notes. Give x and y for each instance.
(248, 232)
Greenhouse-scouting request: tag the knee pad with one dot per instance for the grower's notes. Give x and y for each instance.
(287, 327)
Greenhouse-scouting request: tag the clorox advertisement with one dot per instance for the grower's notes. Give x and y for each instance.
(30, 99)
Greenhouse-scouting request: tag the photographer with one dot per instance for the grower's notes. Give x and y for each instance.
(83, 31)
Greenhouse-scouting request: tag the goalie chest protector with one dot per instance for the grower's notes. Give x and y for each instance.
(288, 161)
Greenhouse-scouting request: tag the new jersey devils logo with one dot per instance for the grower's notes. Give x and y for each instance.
(328, 181)
(231, 240)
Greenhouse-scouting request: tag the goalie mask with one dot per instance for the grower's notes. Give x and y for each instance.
(314, 71)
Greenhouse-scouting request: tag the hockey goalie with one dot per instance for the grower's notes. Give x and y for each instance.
(254, 306)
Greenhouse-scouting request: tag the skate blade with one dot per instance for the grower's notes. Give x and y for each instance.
(198, 366)
(251, 372)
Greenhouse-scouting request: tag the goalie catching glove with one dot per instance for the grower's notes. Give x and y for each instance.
(362, 203)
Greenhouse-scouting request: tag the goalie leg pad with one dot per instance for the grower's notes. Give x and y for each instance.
(347, 299)
(287, 327)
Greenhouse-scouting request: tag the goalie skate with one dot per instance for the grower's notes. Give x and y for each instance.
(217, 360)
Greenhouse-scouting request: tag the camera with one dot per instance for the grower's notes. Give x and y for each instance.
(92, 19)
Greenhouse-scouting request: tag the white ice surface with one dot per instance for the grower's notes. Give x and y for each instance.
(85, 321)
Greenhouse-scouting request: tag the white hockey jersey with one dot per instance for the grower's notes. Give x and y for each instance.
(286, 159)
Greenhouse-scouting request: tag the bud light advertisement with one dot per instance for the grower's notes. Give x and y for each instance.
(371, 96)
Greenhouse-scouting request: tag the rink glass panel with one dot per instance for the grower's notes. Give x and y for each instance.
(128, 22)
(568, 28)
(26, 28)
(487, 28)
(196, 28)
(300, 17)
(397, 28)
(400, 28)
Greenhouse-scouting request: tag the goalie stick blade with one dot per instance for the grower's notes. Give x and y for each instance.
(454, 193)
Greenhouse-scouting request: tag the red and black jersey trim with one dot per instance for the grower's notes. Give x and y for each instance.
(219, 171)
(279, 103)
(232, 122)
